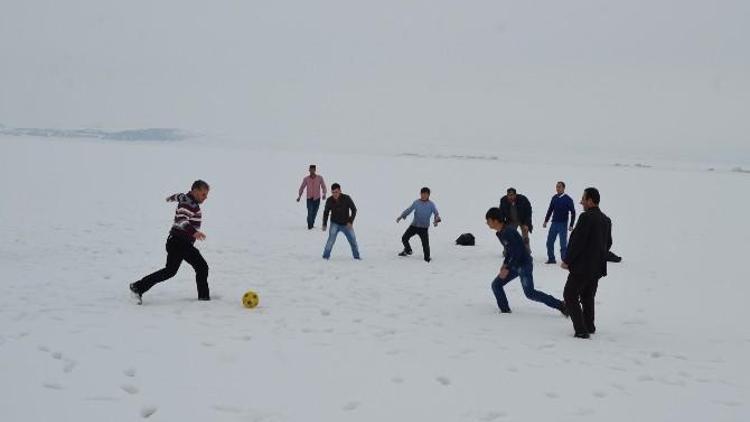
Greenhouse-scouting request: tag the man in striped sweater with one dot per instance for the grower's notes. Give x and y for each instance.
(185, 231)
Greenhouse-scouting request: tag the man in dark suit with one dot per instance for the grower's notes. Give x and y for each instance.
(587, 262)
(516, 210)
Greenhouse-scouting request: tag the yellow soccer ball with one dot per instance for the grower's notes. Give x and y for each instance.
(250, 299)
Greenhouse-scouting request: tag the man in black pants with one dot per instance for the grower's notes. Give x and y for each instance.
(516, 210)
(423, 209)
(587, 262)
(185, 231)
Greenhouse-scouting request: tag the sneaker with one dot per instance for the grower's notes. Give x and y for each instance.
(551, 261)
(405, 253)
(582, 335)
(136, 294)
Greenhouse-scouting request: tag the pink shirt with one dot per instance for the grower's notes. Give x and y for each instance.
(313, 185)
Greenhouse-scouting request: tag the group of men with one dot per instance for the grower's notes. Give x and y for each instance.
(342, 212)
(585, 257)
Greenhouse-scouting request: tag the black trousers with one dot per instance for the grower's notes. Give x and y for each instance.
(423, 236)
(579, 294)
(177, 251)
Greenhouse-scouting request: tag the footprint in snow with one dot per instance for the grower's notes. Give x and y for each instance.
(52, 386)
(599, 394)
(397, 380)
(129, 372)
(130, 389)
(147, 411)
(226, 409)
(552, 395)
(352, 405)
(492, 416)
(443, 380)
(69, 366)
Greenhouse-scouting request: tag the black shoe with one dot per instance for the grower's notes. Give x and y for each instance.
(592, 330)
(551, 261)
(204, 298)
(136, 294)
(505, 311)
(564, 310)
(582, 335)
(405, 253)
(427, 259)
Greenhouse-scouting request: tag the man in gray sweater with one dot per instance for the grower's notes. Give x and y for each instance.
(423, 209)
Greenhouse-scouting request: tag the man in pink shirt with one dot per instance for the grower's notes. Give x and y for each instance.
(314, 183)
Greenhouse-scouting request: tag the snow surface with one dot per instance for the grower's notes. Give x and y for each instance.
(384, 339)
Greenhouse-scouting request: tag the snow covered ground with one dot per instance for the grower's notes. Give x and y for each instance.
(384, 339)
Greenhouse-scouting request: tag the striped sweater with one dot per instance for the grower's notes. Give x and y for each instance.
(187, 216)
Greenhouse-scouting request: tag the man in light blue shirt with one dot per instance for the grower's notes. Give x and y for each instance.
(423, 209)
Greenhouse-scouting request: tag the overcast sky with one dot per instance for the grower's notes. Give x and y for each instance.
(667, 75)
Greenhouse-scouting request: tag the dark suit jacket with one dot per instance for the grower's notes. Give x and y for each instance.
(522, 205)
(589, 245)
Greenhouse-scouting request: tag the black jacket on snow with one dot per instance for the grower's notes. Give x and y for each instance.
(523, 206)
(589, 245)
(339, 210)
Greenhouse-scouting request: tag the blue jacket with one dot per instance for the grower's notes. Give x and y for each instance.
(559, 207)
(422, 212)
(516, 254)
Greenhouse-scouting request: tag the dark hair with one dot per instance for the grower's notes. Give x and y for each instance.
(199, 184)
(592, 194)
(313, 166)
(425, 190)
(494, 213)
(562, 183)
(511, 190)
(335, 186)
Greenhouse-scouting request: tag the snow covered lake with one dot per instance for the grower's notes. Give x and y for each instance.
(384, 339)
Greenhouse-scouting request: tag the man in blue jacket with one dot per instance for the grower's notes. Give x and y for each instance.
(423, 209)
(517, 263)
(559, 207)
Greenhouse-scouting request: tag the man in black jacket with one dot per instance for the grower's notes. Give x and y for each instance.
(516, 210)
(338, 205)
(587, 262)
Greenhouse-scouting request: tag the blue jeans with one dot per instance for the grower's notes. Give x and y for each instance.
(557, 229)
(312, 211)
(333, 231)
(527, 282)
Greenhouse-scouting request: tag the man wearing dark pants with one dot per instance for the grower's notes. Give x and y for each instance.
(587, 262)
(516, 210)
(185, 231)
(313, 183)
(559, 207)
(423, 209)
(517, 263)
